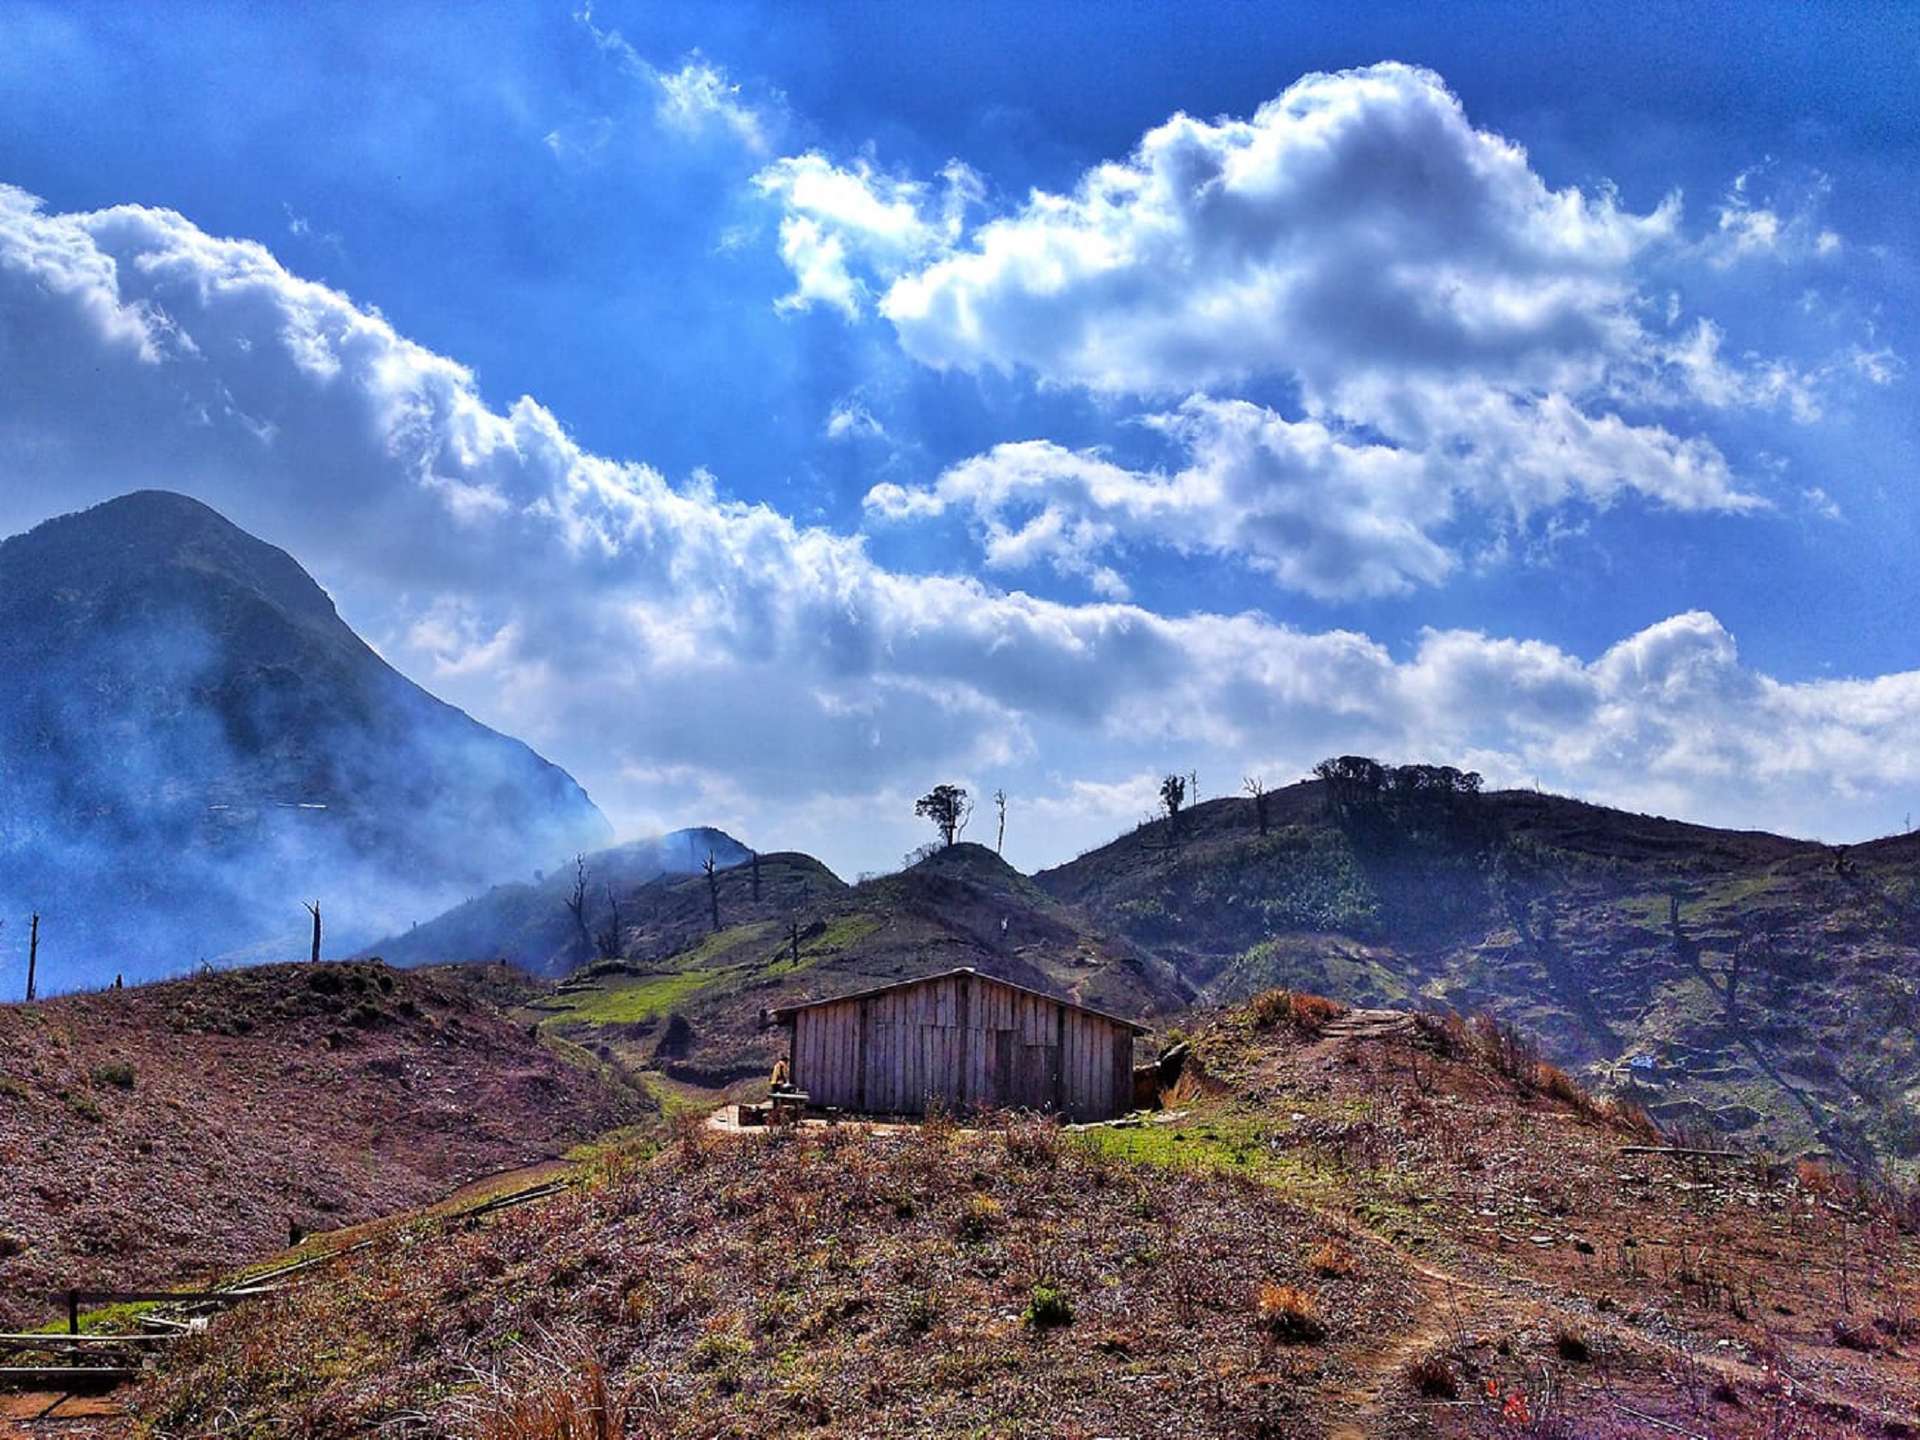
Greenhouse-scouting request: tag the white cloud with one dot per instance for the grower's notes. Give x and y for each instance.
(1411, 278)
(694, 657)
(1766, 215)
(1320, 513)
(699, 96)
(851, 420)
(1356, 220)
(841, 218)
(1821, 503)
(696, 101)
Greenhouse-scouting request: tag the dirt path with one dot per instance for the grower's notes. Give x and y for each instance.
(1383, 1369)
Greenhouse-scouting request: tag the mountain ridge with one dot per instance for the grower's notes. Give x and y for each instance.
(199, 734)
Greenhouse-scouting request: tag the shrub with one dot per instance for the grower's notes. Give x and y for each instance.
(1331, 1260)
(919, 1312)
(1851, 1335)
(1816, 1178)
(576, 1404)
(1551, 1080)
(119, 1074)
(1307, 1014)
(1032, 1143)
(1433, 1377)
(1048, 1308)
(978, 1218)
(1289, 1314)
(1505, 1048)
(719, 1350)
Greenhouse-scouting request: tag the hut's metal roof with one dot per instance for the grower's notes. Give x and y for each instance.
(780, 1014)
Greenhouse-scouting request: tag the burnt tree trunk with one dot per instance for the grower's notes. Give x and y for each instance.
(33, 953)
(313, 909)
(713, 890)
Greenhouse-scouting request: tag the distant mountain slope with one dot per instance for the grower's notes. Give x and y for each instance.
(164, 1133)
(529, 924)
(192, 742)
(1759, 985)
(688, 998)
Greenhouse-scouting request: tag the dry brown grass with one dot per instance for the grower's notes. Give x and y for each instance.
(1308, 1014)
(1331, 1260)
(811, 1283)
(1289, 1314)
(578, 1403)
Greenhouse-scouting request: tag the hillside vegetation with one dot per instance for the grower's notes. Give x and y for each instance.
(530, 924)
(1737, 984)
(161, 1133)
(1345, 1225)
(686, 998)
(1762, 988)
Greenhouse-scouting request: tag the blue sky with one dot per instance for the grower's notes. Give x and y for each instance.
(1541, 401)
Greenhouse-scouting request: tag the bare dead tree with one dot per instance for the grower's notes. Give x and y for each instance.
(793, 939)
(1257, 788)
(33, 952)
(607, 942)
(312, 907)
(577, 903)
(756, 877)
(713, 889)
(1000, 804)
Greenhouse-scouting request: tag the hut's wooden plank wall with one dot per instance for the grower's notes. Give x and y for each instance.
(968, 1040)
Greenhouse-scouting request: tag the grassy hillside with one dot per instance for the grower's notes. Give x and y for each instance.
(155, 1134)
(687, 999)
(529, 924)
(1345, 1226)
(1766, 988)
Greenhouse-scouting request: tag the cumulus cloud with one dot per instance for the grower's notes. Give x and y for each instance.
(843, 222)
(691, 656)
(1356, 219)
(1320, 513)
(1402, 274)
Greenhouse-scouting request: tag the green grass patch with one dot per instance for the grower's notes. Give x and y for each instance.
(627, 1001)
(1223, 1139)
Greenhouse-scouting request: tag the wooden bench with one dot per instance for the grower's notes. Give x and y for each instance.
(786, 1107)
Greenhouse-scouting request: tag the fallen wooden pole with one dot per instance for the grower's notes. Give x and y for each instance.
(70, 1378)
(76, 1298)
(1680, 1150)
(53, 1340)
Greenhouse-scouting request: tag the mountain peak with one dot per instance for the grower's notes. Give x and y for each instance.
(156, 538)
(195, 725)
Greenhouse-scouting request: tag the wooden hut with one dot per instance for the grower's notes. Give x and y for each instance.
(967, 1039)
